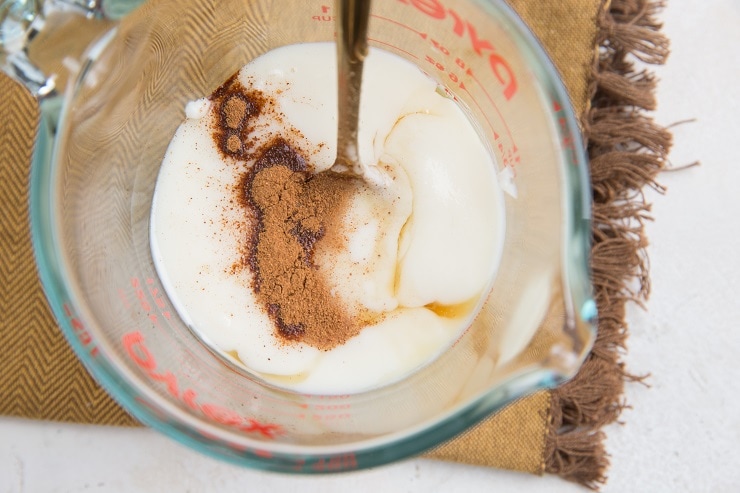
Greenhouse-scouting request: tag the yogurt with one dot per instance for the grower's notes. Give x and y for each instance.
(419, 251)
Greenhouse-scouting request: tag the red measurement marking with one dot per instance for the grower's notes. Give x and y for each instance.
(141, 295)
(405, 26)
(328, 397)
(508, 157)
(439, 47)
(469, 72)
(80, 331)
(332, 407)
(124, 299)
(498, 65)
(157, 297)
(475, 101)
(337, 463)
(452, 75)
(149, 308)
(265, 454)
(330, 417)
(344, 462)
(267, 430)
(139, 353)
(393, 46)
(566, 137)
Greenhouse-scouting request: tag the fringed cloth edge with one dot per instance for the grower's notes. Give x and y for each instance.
(626, 149)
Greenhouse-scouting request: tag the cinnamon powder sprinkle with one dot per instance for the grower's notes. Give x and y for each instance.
(296, 211)
(236, 106)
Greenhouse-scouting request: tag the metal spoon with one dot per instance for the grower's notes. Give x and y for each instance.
(352, 17)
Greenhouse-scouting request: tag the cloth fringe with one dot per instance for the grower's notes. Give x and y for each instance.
(626, 150)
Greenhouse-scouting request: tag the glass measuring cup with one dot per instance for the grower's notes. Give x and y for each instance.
(91, 197)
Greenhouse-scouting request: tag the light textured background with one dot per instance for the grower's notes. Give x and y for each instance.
(683, 432)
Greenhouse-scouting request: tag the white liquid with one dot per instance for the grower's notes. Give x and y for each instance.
(436, 242)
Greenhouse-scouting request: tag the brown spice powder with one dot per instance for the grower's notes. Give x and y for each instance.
(234, 111)
(296, 210)
(236, 106)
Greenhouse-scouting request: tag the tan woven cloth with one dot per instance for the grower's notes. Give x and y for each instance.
(42, 379)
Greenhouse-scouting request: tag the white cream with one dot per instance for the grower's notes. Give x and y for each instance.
(431, 237)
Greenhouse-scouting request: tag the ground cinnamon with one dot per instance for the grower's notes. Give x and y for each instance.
(295, 211)
(236, 106)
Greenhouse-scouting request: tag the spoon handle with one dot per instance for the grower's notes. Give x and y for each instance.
(353, 16)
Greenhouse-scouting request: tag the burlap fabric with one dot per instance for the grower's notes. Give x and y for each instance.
(547, 432)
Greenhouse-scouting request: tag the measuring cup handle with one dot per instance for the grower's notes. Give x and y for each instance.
(42, 43)
(28, 44)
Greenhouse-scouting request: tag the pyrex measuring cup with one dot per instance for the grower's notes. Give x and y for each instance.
(93, 179)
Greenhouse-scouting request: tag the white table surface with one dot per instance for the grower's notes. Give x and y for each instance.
(682, 433)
